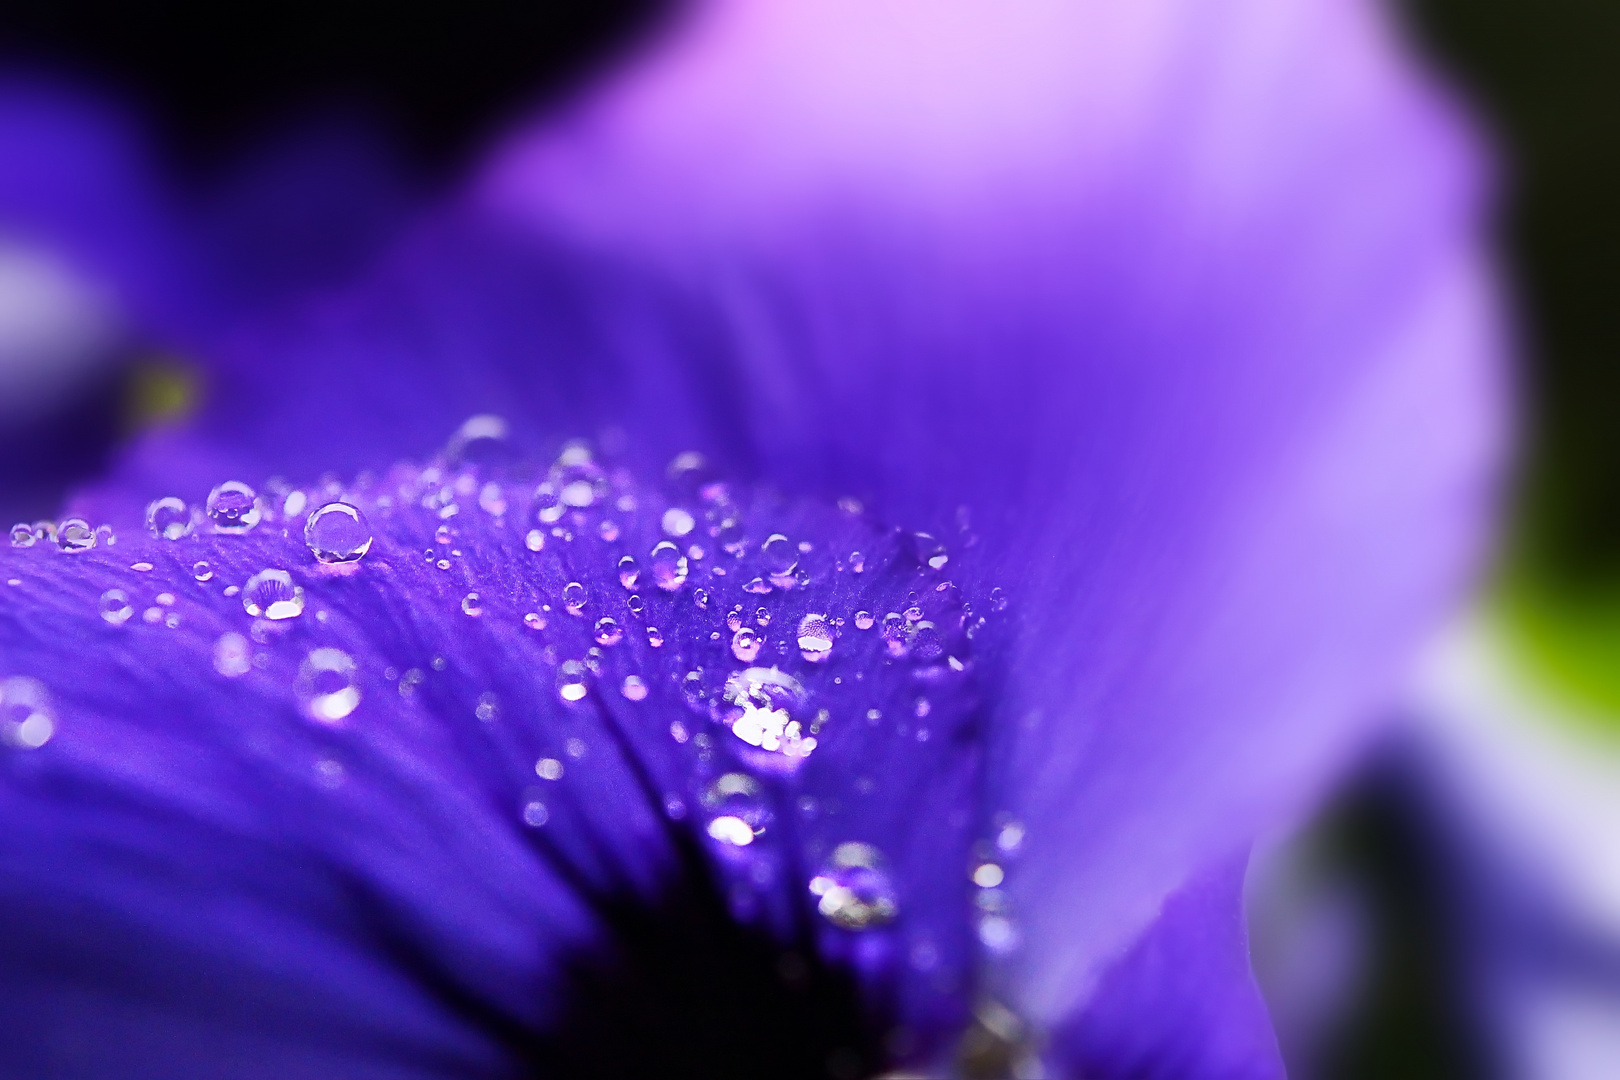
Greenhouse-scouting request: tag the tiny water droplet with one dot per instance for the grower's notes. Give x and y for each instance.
(608, 632)
(535, 813)
(733, 831)
(233, 507)
(815, 638)
(480, 440)
(855, 892)
(115, 607)
(326, 680)
(472, 605)
(169, 518)
(762, 617)
(535, 540)
(668, 566)
(629, 573)
(930, 551)
(745, 644)
(655, 637)
(233, 656)
(272, 594)
(863, 620)
(574, 598)
(571, 680)
(201, 571)
(74, 535)
(22, 535)
(857, 562)
(700, 597)
(296, 501)
(27, 714)
(534, 621)
(758, 586)
(634, 688)
(338, 533)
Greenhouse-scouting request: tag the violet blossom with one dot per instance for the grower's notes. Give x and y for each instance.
(926, 487)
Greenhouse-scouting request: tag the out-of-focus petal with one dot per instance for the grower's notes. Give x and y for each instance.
(1183, 1001)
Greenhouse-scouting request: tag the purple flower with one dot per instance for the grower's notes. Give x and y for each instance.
(1021, 449)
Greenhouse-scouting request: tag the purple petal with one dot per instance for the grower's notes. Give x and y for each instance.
(1183, 1001)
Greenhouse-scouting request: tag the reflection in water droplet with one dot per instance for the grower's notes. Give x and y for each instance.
(201, 571)
(863, 620)
(731, 830)
(629, 573)
(272, 594)
(22, 535)
(571, 680)
(233, 507)
(232, 655)
(327, 681)
(608, 631)
(74, 535)
(27, 716)
(745, 644)
(115, 607)
(472, 605)
(668, 566)
(574, 598)
(855, 892)
(815, 638)
(337, 533)
(168, 518)
(634, 688)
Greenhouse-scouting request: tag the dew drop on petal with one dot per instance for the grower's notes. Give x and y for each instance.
(854, 890)
(472, 604)
(535, 814)
(480, 440)
(27, 715)
(930, 551)
(337, 533)
(233, 507)
(668, 566)
(745, 644)
(574, 598)
(988, 876)
(571, 680)
(74, 535)
(608, 631)
(326, 679)
(733, 831)
(655, 637)
(863, 620)
(115, 607)
(548, 769)
(678, 522)
(535, 540)
(534, 621)
(629, 573)
(634, 688)
(169, 518)
(232, 655)
(272, 594)
(294, 504)
(815, 638)
(700, 597)
(22, 535)
(201, 571)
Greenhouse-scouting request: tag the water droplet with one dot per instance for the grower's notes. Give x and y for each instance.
(27, 717)
(534, 621)
(574, 598)
(472, 605)
(75, 535)
(491, 499)
(930, 551)
(574, 748)
(758, 586)
(762, 617)
(535, 814)
(733, 831)
(998, 599)
(608, 632)
(232, 655)
(745, 644)
(578, 494)
(296, 501)
(668, 566)
(855, 891)
(272, 594)
(1011, 837)
(857, 562)
(780, 558)
(146, 568)
(863, 620)
(115, 607)
(548, 768)
(815, 638)
(701, 598)
(488, 707)
(22, 535)
(998, 934)
(535, 540)
(480, 440)
(337, 533)
(988, 876)
(571, 680)
(678, 522)
(655, 637)
(201, 571)
(634, 688)
(233, 507)
(629, 573)
(326, 679)
(169, 518)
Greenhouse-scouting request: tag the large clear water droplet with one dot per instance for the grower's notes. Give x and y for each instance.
(272, 595)
(115, 607)
(169, 518)
(780, 558)
(74, 535)
(22, 535)
(233, 507)
(855, 892)
(27, 715)
(668, 566)
(338, 533)
(326, 680)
